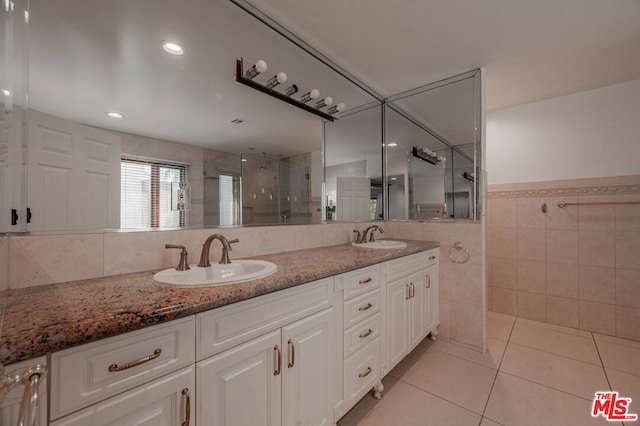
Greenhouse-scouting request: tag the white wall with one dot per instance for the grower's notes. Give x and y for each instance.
(588, 134)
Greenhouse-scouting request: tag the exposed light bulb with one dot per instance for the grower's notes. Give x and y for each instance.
(114, 114)
(6, 92)
(392, 144)
(336, 108)
(310, 95)
(276, 79)
(324, 102)
(259, 67)
(291, 90)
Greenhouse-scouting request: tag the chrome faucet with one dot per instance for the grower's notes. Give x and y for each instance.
(226, 246)
(371, 228)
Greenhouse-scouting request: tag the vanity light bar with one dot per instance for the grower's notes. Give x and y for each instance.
(240, 78)
(427, 155)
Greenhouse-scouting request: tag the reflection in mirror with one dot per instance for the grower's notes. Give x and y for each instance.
(437, 123)
(353, 165)
(175, 109)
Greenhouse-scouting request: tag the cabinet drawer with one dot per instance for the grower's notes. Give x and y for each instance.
(361, 334)
(401, 267)
(355, 310)
(89, 373)
(360, 281)
(231, 325)
(432, 257)
(162, 402)
(361, 373)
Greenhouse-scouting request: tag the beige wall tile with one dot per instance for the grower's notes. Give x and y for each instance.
(503, 242)
(627, 288)
(532, 306)
(562, 218)
(530, 215)
(563, 311)
(126, 252)
(531, 244)
(503, 272)
(596, 217)
(504, 301)
(444, 328)
(628, 322)
(38, 260)
(562, 246)
(596, 248)
(627, 250)
(532, 276)
(562, 280)
(627, 217)
(467, 324)
(467, 286)
(598, 317)
(597, 284)
(503, 212)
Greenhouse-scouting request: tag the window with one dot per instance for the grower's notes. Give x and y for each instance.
(145, 194)
(230, 200)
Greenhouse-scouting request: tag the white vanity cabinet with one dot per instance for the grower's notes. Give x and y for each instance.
(411, 311)
(281, 377)
(144, 374)
(10, 408)
(362, 330)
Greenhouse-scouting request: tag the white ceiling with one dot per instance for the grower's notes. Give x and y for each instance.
(530, 49)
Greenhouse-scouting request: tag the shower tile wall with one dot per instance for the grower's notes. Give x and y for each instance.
(577, 266)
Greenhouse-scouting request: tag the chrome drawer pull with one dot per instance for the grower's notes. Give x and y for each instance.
(187, 416)
(154, 355)
(367, 281)
(366, 373)
(292, 354)
(366, 334)
(428, 281)
(365, 307)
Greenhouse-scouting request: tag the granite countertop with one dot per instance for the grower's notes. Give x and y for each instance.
(49, 318)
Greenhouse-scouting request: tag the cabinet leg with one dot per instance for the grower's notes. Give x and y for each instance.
(434, 335)
(377, 390)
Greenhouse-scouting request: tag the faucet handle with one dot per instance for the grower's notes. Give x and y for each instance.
(235, 240)
(183, 264)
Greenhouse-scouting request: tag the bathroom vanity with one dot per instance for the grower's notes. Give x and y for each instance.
(301, 346)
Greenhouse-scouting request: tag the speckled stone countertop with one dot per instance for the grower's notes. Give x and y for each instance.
(49, 318)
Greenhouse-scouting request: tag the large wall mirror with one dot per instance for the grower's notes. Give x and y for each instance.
(205, 150)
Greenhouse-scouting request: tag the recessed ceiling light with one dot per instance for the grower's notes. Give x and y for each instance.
(113, 114)
(172, 48)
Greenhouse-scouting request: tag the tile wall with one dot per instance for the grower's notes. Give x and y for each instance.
(577, 266)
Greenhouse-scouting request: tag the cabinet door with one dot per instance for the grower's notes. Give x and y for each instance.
(431, 299)
(417, 313)
(307, 371)
(163, 402)
(242, 385)
(397, 320)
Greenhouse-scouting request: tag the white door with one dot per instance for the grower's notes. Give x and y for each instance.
(242, 386)
(163, 402)
(397, 320)
(353, 198)
(307, 376)
(74, 175)
(417, 309)
(431, 299)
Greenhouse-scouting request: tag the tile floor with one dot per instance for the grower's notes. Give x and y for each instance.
(532, 374)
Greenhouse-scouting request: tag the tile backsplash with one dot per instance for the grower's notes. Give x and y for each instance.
(576, 266)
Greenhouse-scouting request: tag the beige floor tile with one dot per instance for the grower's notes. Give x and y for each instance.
(413, 357)
(622, 357)
(564, 374)
(627, 385)
(499, 325)
(406, 405)
(491, 358)
(556, 341)
(519, 402)
(462, 382)
(616, 340)
(560, 328)
(488, 422)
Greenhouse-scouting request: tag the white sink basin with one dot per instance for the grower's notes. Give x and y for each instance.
(382, 244)
(216, 274)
